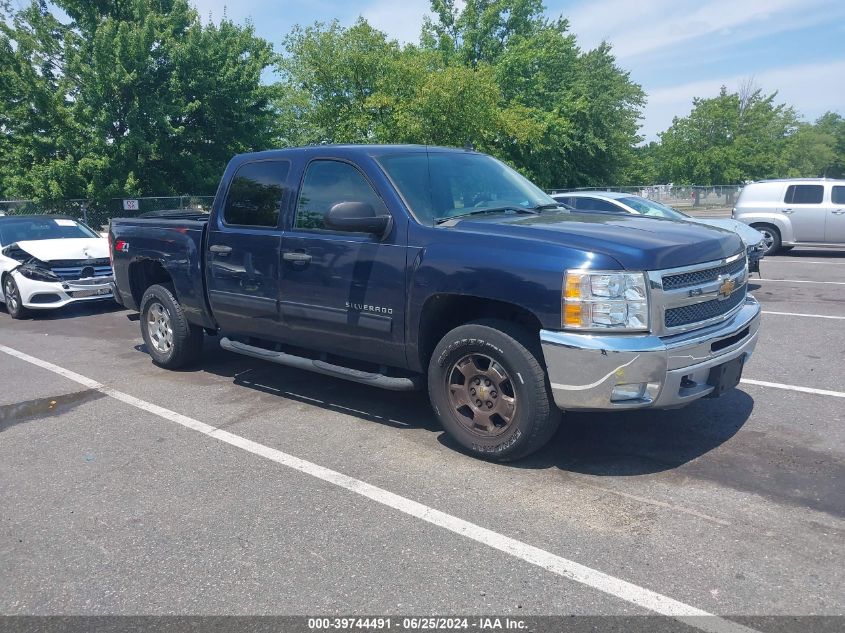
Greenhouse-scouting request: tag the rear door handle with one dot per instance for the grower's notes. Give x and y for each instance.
(296, 257)
(788, 211)
(220, 249)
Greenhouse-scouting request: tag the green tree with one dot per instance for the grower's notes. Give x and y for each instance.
(728, 139)
(831, 126)
(479, 31)
(129, 97)
(497, 74)
(809, 152)
(572, 115)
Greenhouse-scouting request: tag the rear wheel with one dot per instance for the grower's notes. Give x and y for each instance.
(487, 385)
(12, 297)
(771, 237)
(171, 340)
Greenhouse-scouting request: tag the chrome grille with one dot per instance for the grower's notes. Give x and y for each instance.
(704, 311)
(688, 297)
(71, 270)
(697, 277)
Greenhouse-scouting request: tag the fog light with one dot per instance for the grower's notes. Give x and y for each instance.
(633, 391)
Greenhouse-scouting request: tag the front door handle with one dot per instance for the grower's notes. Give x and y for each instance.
(220, 249)
(839, 212)
(297, 257)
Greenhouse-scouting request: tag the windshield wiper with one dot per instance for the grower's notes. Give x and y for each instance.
(514, 208)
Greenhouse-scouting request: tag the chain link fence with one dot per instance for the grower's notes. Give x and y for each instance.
(97, 214)
(680, 196)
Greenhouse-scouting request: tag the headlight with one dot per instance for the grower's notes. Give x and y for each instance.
(31, 271)
(598, 300)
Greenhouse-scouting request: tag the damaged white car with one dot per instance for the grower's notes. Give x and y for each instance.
(49, 261)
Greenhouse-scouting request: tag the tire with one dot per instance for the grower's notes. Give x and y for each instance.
(465, 370)
(13, 299)
(771, 237)
(171, 340)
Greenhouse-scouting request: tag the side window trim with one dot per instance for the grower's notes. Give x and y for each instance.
(296, 199)
(280, 211)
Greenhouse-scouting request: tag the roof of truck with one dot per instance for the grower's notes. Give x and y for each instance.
(368, 150)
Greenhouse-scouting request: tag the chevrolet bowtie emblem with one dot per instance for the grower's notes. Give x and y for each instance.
(726, 288)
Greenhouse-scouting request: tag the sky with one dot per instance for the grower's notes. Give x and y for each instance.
(675, 49)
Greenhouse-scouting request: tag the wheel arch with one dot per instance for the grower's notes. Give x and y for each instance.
(144, 273)
(443, 312)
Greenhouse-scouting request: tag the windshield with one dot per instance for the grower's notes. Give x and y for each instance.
(652, 208)
(440, 185)
(26, 229)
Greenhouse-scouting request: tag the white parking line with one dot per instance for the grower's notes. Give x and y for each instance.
(778, 385)
(553, 563)
(803, 261)
(798, 314)
(802, 281)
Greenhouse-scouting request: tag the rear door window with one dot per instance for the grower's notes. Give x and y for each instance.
(837, 196)
(255, 195)
(804, 194)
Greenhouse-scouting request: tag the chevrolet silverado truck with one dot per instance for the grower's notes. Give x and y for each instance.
(408, 267)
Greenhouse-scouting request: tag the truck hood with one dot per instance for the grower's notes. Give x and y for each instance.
(636, 242)
(66, 248)
(750, 236)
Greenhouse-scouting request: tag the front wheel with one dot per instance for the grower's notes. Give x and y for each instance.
(771, 237)
(171, 340)
(12, 297)
(488, 387)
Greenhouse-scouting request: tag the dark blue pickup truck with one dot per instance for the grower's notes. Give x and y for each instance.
(403, 266)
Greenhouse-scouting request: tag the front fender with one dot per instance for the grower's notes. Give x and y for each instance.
(524, 273)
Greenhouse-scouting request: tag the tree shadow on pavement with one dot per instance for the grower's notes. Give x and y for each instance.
(390, 408)
(607, 444)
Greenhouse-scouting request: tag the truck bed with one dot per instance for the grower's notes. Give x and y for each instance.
(172, 242)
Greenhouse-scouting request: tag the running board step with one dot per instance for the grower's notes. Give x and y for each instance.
(322, 367)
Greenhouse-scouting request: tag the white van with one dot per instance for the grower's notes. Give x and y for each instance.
(794, 212)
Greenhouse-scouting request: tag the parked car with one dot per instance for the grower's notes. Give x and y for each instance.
(794, 212)
(49, 261)
(615, 202)
(405, 266)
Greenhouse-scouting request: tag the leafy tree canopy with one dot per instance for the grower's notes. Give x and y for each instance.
(129, 97)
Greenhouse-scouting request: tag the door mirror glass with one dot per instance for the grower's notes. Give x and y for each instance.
(356, 217)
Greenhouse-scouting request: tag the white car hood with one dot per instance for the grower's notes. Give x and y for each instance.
(750, 236)
(67, 248)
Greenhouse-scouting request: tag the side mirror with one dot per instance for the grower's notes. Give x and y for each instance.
(358, 217)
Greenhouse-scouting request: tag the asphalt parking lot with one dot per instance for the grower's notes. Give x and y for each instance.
(240, 487)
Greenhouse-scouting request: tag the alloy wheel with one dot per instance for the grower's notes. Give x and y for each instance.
(11, 292)
(481, 395)
(160, 328)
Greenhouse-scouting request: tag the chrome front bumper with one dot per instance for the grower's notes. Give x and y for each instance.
(584, 368)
